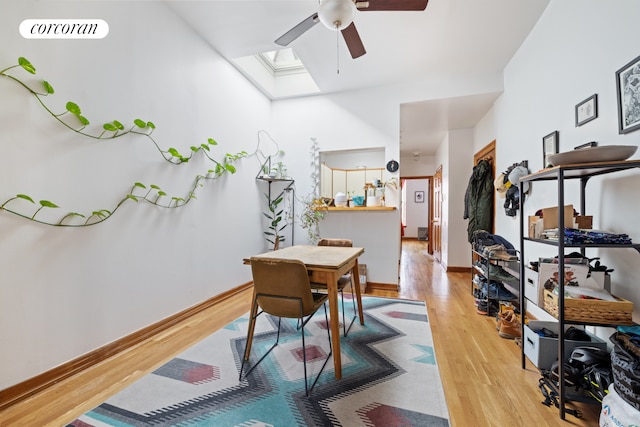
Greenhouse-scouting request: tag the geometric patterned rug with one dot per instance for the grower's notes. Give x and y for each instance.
(389, 377)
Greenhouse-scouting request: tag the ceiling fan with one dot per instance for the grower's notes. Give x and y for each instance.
(339, 15)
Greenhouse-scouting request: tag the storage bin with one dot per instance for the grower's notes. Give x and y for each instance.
(594, 311)
(543, 351)
(532, 288)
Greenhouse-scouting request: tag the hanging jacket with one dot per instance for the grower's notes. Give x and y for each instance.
(478, 199)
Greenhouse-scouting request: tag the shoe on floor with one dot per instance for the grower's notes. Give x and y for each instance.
(504, 315)
(488, 308)
(510, 329)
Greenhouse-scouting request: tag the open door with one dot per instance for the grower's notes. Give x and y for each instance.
(436, 223)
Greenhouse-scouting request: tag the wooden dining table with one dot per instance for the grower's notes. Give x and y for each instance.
(326, 264)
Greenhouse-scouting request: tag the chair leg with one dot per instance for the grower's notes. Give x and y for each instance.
(245, 357)
(304, 351)
(355, 311)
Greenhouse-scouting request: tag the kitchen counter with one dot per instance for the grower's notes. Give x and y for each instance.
(359, 208)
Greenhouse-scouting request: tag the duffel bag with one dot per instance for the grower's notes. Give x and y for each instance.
(625, 366)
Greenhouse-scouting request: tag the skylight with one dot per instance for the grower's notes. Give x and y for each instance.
(282, 62)
(278, 74)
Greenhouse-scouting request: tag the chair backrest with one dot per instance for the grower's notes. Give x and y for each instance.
(335, 242)
(282, 287)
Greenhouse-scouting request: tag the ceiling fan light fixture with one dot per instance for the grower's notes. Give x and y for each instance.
(337, 14)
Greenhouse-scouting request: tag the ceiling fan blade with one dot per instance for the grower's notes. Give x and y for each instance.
(298, 30)
(390, 5)
(354, 43)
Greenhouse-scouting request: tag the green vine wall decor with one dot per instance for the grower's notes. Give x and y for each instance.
(115, 129)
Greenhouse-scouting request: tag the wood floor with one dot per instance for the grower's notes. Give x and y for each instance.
(483, 380)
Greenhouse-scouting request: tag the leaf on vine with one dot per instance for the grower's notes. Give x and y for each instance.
(194, 149)
(205, 147)
(151, 125)
(132, 197)
(83, 120)
(109, 127)
(155, 187)
(75, 214)
(174, 152)
(212, 141)
(24, 63)
(47, 204)
(230, 168)
(140, 123)
(99, 214)
(161, 193)
(25, 197)
(47, 87)
(73, 108)
(139, 184)
(118, 125)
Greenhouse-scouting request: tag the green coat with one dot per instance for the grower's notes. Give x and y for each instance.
(478, 199)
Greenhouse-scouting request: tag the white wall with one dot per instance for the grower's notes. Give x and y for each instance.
(67, 291)
(416, 214)
(572, 53)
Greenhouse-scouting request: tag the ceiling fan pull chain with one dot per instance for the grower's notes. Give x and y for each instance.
(337, 50)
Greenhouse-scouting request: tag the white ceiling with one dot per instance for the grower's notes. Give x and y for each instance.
(449, 37)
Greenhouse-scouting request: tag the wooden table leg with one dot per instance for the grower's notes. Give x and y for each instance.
(251, 326)
(355, 273)
(332, 292)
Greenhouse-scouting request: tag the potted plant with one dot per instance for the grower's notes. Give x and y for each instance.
(274, 216)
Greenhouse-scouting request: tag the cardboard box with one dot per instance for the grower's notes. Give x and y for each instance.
(543, 351)
(535, 227)
(584, 221)
(550, 217)
(549, 220)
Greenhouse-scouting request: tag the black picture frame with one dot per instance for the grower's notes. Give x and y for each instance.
(419, 196)
(587, 110)
(628, 94)
(550, 145)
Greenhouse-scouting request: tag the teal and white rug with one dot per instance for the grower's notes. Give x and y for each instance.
(389, 377)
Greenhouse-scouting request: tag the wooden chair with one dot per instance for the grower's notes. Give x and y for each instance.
(345, 280)
(282, 289)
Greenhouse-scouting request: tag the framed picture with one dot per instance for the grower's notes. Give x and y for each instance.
(587, 110)
(628, 92)
(549, 146)
(419, 196)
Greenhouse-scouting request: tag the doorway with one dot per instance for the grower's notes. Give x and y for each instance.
(417, 209)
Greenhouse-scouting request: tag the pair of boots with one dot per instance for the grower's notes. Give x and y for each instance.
(508, 325)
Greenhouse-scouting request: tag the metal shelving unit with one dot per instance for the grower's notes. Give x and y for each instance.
(510, 266)
(560, 174)
(286, 186)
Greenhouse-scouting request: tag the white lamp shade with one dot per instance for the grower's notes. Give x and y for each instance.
(337, 14)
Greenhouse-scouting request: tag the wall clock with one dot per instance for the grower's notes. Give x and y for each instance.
(392, 166)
